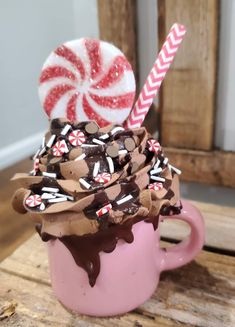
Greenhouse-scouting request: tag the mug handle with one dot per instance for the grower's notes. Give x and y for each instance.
(182, 253)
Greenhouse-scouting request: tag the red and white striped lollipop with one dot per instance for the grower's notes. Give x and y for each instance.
(155, 186)
(76, 138)
(154, 146)
(87, 79)
(103, 178)
(33, 200)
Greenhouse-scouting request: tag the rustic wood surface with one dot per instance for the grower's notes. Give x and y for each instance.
(211, 167)
(217, 218)
(117, 24)
(15, 228)
(200, 294)
(188, 92)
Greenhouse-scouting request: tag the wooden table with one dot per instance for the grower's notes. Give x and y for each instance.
(199, 294)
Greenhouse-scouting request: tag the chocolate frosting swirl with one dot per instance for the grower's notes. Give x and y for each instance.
(106, 183)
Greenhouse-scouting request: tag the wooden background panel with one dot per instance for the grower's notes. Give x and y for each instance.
(188, 94)
(117, 24)
(210, 167)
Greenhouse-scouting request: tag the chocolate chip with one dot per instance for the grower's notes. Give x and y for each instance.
(112, 151)
(91, 128)
(129, 144)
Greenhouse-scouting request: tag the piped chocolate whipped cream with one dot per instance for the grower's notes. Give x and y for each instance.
(90, 185)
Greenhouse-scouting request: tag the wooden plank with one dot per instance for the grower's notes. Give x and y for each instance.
(188, 94)
(35, 305)
(15, 228)
(117, 24)
(199, 294)
(218, 221)
(211, 167)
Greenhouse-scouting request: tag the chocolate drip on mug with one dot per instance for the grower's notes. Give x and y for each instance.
(86, 249)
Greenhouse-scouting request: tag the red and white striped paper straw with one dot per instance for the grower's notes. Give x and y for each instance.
(156, 76)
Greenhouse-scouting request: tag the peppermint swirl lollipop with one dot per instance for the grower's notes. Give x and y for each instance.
(87, 79)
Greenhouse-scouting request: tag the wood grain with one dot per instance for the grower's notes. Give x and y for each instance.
(188, 92)
(199, 294)
(15, 228)
(117, 24)
(211, 167)
(37, 306)
(218, 219)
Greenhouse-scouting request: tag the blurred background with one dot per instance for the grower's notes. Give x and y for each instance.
(193, 116)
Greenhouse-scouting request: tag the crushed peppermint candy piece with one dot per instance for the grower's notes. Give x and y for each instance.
(77, 138)
(33, 200)
(155, 186)
(60, 148)
(103, 178)
(154, 146)
(125, 199)
(104, 210)
(35, 166)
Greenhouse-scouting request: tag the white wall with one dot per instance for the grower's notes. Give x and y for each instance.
(147, 36)
(29, 31)
(225, 122)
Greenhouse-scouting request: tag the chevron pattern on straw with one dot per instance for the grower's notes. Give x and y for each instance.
(156, 76)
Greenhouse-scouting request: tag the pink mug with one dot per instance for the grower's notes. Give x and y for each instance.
(129, 275)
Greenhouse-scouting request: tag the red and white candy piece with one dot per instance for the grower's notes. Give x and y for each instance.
(154, 146)
(104, 210)
(87, 79)
(35, 166)
(76, 138)
(33, 200)
(60, 148)
(155, 186)
(103, 178)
